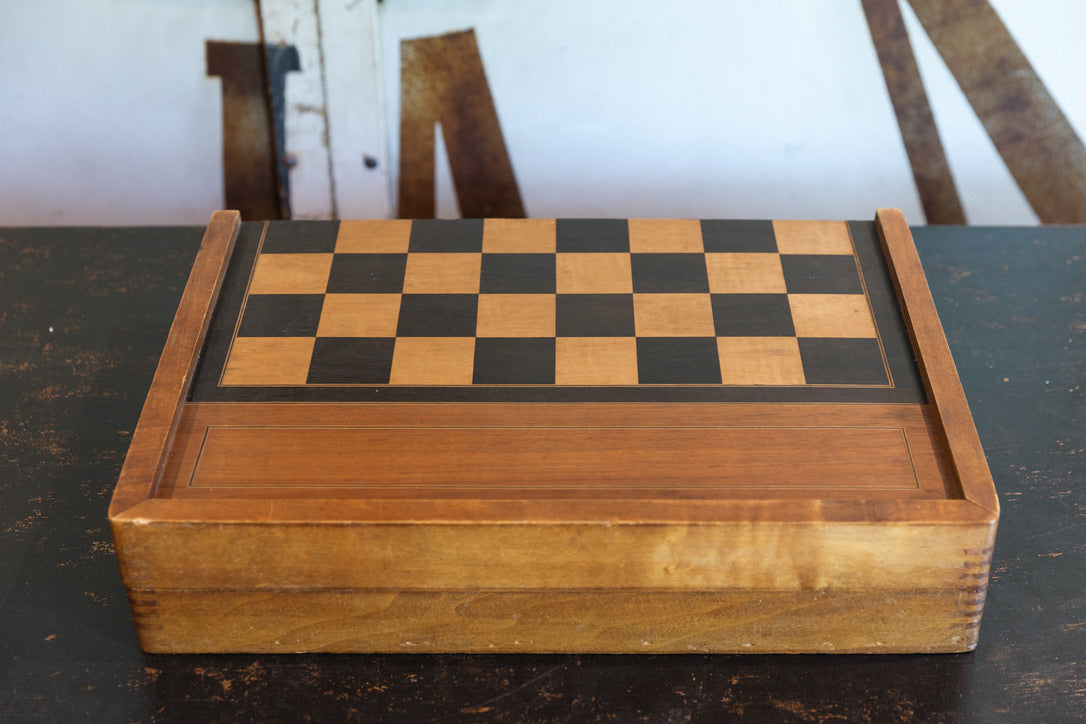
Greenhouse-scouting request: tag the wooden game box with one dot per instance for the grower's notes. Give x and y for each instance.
(613, 435)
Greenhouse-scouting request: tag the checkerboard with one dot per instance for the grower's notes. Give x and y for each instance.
(557, 303)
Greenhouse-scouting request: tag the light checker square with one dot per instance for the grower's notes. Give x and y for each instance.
(452, 273)
(359, 315)
(760, 361)
(516, 315)
(673, 315)
(593, 273)
(831, 315)
(268, 361)
(433, 361)
(595, 361)
(291, 274)
(745, 273)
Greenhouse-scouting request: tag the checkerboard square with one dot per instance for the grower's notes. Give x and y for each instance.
(378, 236)
(737, 236)
(595, 273)
(677, 361)
(437, 315)
(812, 237)
(432, 361)
(445, 235)
(367, 273)
(599, 235)
(595, 315)
(842, 362)
(665, 236)
(521, 361)
(281, 315)
(831, 315)
(359, 315)
(452, 273)
(752, 315)
(673, 315)
(519, 236)
(595, 361)
(517, 273)
(515, 315)
(290, 274)
(287, 237)
(821, 274)
(347, 361)
(268, 361)
(760, 361)
(745, 273)
(663, 273)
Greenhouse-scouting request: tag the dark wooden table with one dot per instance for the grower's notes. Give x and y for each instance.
(83, 316)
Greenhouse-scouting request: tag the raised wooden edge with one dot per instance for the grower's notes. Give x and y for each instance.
(173, 376)
(936, 364)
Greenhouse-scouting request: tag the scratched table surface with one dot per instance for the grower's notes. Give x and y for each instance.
(83, 316)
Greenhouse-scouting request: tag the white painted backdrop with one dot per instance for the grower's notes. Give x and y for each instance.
(609, 108)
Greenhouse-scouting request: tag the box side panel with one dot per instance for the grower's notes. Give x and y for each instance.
(755, 555)
(599, 621)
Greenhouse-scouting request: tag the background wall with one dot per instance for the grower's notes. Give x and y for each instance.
(632, 108)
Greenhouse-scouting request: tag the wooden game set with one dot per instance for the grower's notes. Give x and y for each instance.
(613, 435)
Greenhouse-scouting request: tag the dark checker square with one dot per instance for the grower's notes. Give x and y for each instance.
(594, 315)
(517, 274)
(437, 235)
(821, 274)
(677, 361)
(599, 235)
(288, 237)
(367, 274)
(352, 360)
(738, 236)
(519, 361)
(752, 315)
(281, 315)
(663, 273)
(844, 361)
(437, 315)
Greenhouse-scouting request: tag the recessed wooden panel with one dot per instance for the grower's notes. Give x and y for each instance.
(537, 457)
